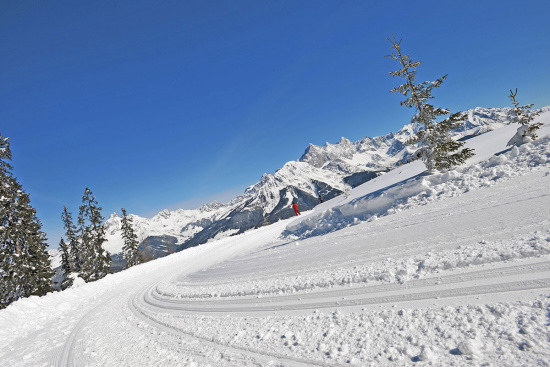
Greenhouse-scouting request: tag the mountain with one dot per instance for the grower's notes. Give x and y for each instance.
(330, 169)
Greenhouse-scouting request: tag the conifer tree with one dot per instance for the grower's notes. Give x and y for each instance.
(131, 252)
(73, 245)
(25, 267)
(437, 149)
(522, 115)
(38, 270)
(8, 249)
(66, 268)
(95, 261)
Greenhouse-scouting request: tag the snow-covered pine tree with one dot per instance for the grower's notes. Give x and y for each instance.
(38, 276)
(96, 262)
(131, 252)
(437, 149)
(7, 247)
(66, 268)
(523, 116)
(25, 267)
(85, 249)
(74, 249)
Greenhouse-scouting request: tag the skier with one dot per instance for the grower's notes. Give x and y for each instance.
(320, 197)
(295, 207)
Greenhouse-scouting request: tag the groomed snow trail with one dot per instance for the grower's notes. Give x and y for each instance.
(454, 275)
(158, 318)
(521, 206)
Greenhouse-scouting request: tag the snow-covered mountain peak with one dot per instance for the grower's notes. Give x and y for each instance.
(341, 142)
(162, 215)
(407, 131)
(215, 205)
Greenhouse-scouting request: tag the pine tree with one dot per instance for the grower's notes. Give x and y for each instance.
(95, 261)
(25, 267)
(437, 149)
(66, 268)
(8, 249)
(130, 249)
(522, 115)
(74, 249)
(38, 270)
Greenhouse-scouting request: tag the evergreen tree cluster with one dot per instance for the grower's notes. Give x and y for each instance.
(84, 255)
(437, 149)
(25, 267)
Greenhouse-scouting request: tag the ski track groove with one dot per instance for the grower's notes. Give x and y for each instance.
(456, 292)
(428, 281)
(254, 355)
(311, 301)
(145, 303)
(67, 356)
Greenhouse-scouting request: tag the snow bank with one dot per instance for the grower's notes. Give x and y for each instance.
(424, 189)
(378, 272)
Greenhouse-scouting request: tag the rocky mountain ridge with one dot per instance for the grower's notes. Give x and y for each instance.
(330, 169)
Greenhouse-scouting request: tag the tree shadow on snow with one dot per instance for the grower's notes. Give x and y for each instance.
(503, 151)
(277, 246)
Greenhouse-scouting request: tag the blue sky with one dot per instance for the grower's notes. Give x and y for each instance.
(172, 104)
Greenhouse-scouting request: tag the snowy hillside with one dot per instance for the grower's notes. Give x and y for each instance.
(411, 269)
(329, 169)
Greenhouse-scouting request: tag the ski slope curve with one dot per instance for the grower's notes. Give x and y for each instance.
(456, 273)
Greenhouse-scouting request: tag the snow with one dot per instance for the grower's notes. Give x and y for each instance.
(443, 269)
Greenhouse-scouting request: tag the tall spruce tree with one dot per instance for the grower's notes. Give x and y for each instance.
(131, 252)
(437, 149)
(95, 261)
(74, 249)
(523, 116)
(38, 270)
(66, 268)
(25, 267)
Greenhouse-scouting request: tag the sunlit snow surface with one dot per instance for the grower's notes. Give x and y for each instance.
(442, 269)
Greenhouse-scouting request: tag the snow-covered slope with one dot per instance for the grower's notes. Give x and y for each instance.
(447, 269)
(330, 169)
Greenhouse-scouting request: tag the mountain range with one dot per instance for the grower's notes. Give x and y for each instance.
(331, 170)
